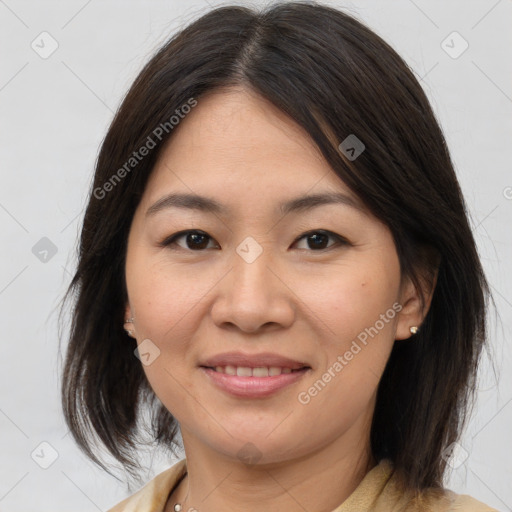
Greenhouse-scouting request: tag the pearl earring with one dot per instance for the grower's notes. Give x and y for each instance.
(129, 321)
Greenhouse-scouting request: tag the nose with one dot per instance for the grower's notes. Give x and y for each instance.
(253, 296)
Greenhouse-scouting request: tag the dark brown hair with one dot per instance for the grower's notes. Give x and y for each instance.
(335, 77)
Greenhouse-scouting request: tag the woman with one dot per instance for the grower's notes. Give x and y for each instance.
(331, 376)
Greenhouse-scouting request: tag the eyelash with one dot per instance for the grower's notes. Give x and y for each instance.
(171, 240)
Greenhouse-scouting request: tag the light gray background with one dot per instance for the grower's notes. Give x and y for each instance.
(54, 113)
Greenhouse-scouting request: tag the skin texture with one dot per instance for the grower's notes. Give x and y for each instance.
(295, 299)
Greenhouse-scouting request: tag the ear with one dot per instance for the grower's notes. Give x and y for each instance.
(127, 312)
(412, 314)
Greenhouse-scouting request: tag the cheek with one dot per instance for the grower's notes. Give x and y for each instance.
(350, 299)
(166, 304)
(356, 305)
(165, 298)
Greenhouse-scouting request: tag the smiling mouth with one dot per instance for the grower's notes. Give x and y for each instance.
(261, 382)
(262, 371)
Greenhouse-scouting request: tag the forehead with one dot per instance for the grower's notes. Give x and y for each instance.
(236, 144)
(240, 116)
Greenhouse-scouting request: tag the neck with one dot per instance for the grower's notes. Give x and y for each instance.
(319, 481)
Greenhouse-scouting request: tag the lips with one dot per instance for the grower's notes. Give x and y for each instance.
(253, 387)
(264, 359)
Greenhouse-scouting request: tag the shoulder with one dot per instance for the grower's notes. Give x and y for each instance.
(153, 496)
(463, 502)
(444, 500)
(389, 499)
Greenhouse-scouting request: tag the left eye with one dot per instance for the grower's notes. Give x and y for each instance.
(198, 240)
(317, 239)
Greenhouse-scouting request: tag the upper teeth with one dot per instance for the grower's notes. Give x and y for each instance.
(244, 371)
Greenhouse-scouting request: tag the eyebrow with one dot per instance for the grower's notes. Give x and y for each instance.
(209, 205)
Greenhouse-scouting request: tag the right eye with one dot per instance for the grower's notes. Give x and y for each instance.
(195, 240)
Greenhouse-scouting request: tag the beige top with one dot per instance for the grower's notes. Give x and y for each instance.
(375, 493)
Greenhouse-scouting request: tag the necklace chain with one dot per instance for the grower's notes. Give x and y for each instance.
(177, 506)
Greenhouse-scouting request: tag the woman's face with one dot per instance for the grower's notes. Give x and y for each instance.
(317, 283)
